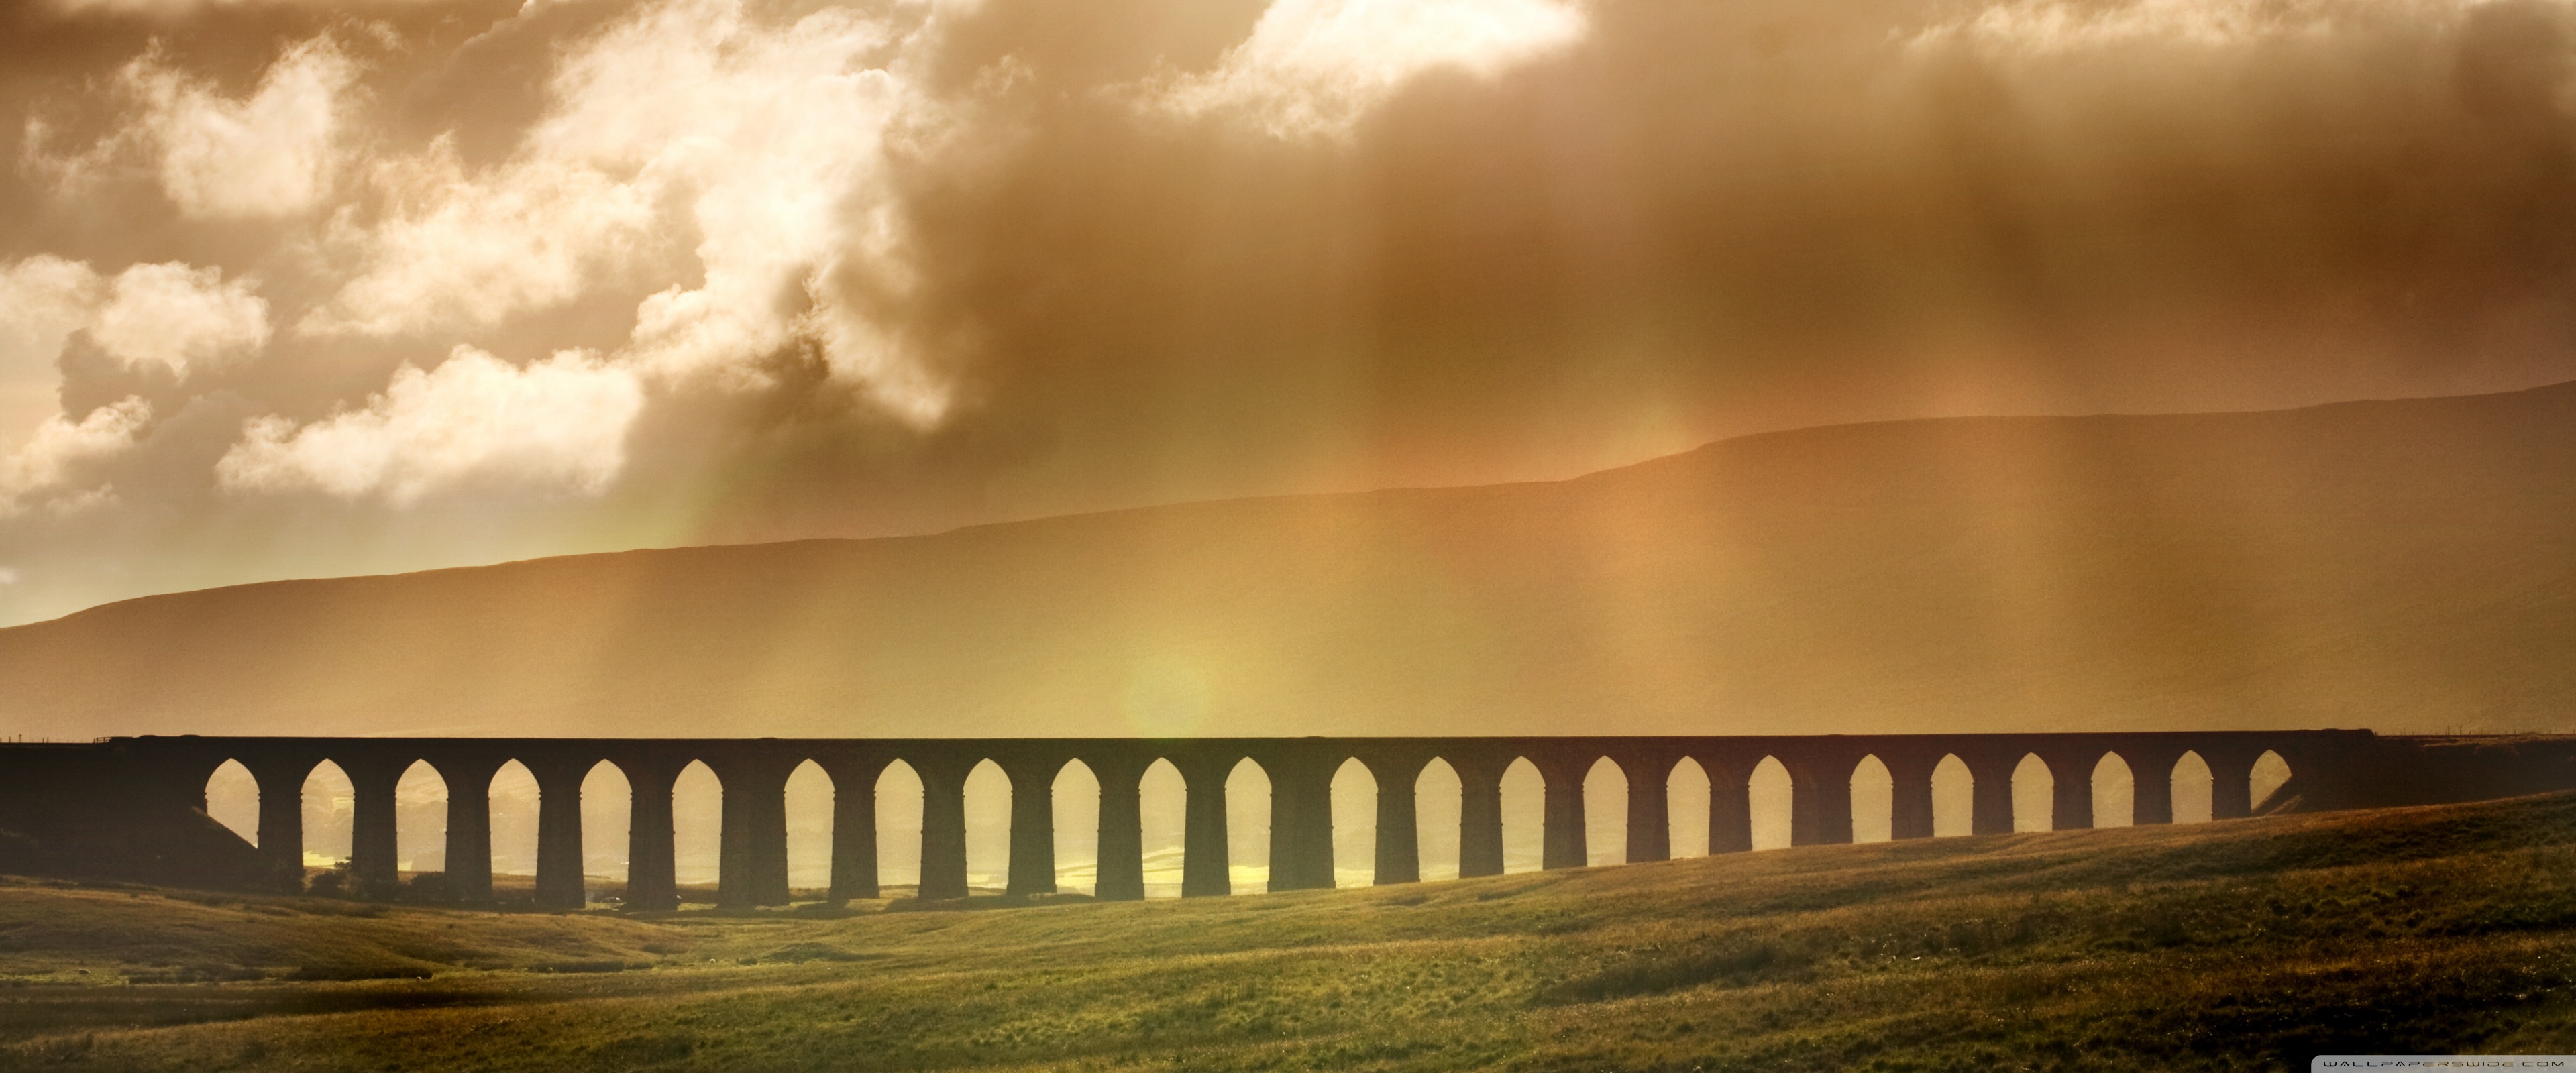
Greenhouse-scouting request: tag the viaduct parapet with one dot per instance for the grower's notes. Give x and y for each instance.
(2330, 769)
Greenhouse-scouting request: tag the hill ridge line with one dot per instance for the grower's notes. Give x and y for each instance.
(1599, 475)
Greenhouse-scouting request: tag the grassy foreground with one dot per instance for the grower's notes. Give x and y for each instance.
(2245, 944)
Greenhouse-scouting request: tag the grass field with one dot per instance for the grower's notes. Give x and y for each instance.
(2244, 944)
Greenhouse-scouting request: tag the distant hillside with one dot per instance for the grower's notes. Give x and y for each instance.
(2400, 565)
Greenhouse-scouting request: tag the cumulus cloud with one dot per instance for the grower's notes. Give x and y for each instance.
(171, 315)
(155, 315)
(2053, 25)
(465, 252)
(689, 117)
(475, 420)
(275, 152)
(177, 316)
(772, 133)
(1317, 66)
(56, 468)
(272, 153)
(43, 299)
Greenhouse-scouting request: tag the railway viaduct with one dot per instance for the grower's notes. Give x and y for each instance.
(2332, 768)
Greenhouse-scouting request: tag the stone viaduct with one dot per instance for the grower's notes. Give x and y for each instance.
(754, 773)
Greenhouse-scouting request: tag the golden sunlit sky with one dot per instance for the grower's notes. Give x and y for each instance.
(295, 288)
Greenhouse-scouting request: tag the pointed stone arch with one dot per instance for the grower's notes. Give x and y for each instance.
(1439, 800)
(1163, 822)
(607, 823)
(2193, 792)
(510, 799)
(806, 802)
(2272, 783)
(2115, 796)
(1523, 798)
(1872, 797)
(420, 819)
(697, 831)
(1687, 793)
(988, 826)
(1076, 796)
(2034, 793)
(1248, 791)
(231, 796)
(1353, 793)
(900, 794)
(1954, 797)
(1605, 813)
(329, 802)
(1771, 799)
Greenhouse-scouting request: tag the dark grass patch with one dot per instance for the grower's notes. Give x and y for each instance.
(360, 972)
(1729, 962)
(49, 1011)
(799, 953)
(582, 967)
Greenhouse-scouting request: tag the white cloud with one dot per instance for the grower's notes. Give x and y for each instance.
(1314, 67)
(766, 140)
(177, 316)
(43, 299)
(53, 469)
(2044, 26)
(468, 252)
(167, 314)
(770, 131)
(272, 153)
(558, 424)
(687, 116)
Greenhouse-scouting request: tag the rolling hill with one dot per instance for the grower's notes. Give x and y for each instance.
(2400, 565)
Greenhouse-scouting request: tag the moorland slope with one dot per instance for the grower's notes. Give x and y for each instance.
(2243, 944)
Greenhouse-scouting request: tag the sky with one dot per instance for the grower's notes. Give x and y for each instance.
(294, 288)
